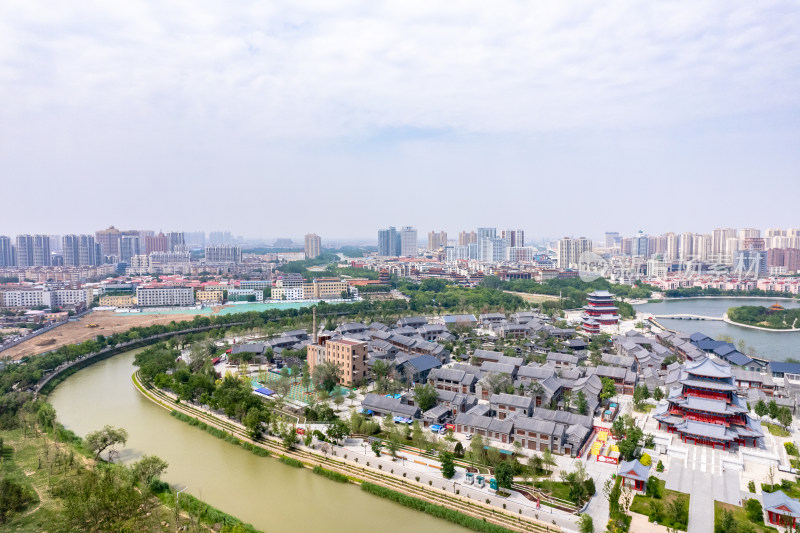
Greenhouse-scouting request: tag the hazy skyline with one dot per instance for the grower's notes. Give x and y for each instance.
(297, 117)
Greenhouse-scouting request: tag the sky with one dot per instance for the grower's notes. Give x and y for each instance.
(282, 118)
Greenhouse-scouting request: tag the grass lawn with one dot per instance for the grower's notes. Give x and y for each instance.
(641, 503)
(741, 516)
(646, 408)
(21, 462)
(776, 430)
(793, 491)
(558, 489)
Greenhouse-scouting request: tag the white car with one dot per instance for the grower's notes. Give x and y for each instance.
(469, 437)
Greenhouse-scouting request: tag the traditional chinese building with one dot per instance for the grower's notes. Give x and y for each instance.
(634, 475)
(600, 310)
(705, 409)
(781, 509)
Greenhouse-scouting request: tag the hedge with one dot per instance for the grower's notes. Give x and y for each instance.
(204, 512)
(290, 461)
(335, 476)
(437, 511)
(224, 435)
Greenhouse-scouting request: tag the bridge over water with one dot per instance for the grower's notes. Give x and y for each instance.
(686, 316)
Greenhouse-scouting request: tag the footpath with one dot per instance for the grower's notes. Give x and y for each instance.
(353, 463)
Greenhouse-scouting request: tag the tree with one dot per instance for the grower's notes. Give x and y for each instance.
(785, 417)
(658, 394)
(495, 382)
(448, 467)
(476, 448)
(772, 409)
(754, 511)
(376, 448)
(148, 469)
(504, 474)
(547, 457)
(425, 396)
(536, 465)
(14, 497)
(46, 416)
(761, 409)
(585, 524)
(640, 394)
(325, 376)
(678, 510)
(108, 437)
(338, 430)
(582, 406)
(609, 389)
(459, 449)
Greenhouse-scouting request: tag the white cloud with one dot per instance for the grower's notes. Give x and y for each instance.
(319, 69)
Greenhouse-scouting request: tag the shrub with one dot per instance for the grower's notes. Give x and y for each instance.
(290, 461)
(751, 486)
(653, 487)
(590, 488)
(434, 510)
(660, 466)
(335, 476)
(791, 449)
(754, 511)
(646, 460)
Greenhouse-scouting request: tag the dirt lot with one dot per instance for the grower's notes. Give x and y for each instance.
(76, 332)
(533, 298)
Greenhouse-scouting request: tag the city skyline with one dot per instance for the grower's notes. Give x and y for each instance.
(556, 113)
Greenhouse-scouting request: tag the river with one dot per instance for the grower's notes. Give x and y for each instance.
(767, 344)
(271, 496)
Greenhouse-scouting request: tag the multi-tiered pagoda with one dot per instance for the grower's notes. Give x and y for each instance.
(600, 310)
(704, 408)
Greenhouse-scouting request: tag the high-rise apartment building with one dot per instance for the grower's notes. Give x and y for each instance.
(156, 243)
(672, 246)
(175, 241)
(728, 256)
(109, 240)
(701, 244)
(749, 233)
(79, 250)
(719, 239)
(492, 250)
(437, 239)
(129, 246)
(219, 237)
(408, 242)
(612, 239)
(6, 252)
(570, 250)
(223, 253)
(513, 238)
(640, 245)
(388, 242)
(687, 249)
(33, 250)
(467, 237)
(313, 246)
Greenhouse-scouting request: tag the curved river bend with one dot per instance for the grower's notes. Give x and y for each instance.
(271, 496)
(774, 345)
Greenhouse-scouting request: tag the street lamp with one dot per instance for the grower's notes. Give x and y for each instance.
(177, 512)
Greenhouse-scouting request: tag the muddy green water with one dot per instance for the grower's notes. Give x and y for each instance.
(271, 496)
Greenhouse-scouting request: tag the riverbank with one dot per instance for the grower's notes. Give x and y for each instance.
(338, 462)
(760, 328)
(39, 463)
(678, 298)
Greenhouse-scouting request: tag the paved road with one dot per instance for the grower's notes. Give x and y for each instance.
(703, 488)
